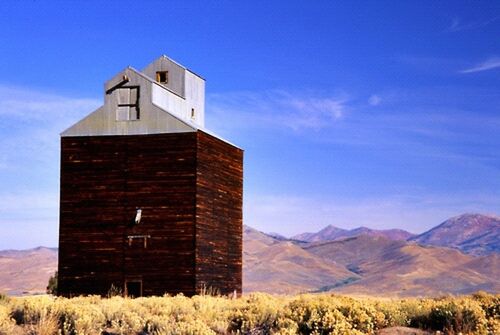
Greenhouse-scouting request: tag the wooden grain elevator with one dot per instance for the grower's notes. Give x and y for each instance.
(150, 201)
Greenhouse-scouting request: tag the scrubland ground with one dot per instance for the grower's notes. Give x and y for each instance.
(256, 313)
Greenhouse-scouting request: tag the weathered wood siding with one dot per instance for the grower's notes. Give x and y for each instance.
(189, 187)
(103, 180)
(219, 215)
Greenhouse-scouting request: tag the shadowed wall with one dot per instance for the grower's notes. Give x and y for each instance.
(189, 188)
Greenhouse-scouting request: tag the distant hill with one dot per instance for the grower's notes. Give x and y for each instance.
(331, 233)
(26, 271)
(278, 236)
(474, 234)
(359, 261)
(399, 268)
(363, 264)
(276, 266)
(328, 233)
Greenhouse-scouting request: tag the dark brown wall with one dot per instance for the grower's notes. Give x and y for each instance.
(219, 215)
(189, 187)
(103, 180)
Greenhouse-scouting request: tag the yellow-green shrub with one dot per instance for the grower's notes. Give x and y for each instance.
(458, 316)
(79, 316)
(318, 315)
(7, 324)
(29, 310)
(256, 313)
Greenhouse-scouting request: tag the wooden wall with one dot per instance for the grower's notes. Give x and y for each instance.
(219, 215)
(103, 180)
(189, 187)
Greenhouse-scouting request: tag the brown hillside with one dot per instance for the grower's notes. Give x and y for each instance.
(366, 265)
(26, 271)
(398, 268)
(474, 234)
(283, 267)
(331, 233)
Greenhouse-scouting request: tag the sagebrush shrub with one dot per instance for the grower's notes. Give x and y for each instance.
(7, 324)
(256, 313)
(458, 316)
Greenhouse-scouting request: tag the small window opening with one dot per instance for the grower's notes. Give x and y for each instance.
(162, 77)
(133, 288)
(192, 113)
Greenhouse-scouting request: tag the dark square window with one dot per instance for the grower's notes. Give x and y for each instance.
(162, 77)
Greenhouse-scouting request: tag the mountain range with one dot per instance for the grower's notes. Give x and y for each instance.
(474, 234)
(394, 268)
(280, 266)
(330, 233)
(461, 255)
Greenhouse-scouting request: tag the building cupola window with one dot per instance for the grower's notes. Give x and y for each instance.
(162, 77)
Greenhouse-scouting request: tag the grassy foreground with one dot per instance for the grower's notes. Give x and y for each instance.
(252, 314)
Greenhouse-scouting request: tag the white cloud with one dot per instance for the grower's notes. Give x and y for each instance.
(24, 104)
(489, 64)
(374, 100)
(30, 124)
(281, 109)
(457, 24)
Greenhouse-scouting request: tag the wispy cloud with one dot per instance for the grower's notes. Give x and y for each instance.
(442, 145)
(24, 104)
(433, 113)
(430, 64)
(457, 24)
(374, 100)
(415, 123)
(296, 111)
(489, 64)
(30, 123)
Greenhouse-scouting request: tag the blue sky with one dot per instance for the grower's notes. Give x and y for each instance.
(381, 114)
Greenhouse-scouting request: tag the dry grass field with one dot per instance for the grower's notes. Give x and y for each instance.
(256, 313)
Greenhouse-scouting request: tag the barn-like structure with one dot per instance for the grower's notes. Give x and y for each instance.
(150, 201)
